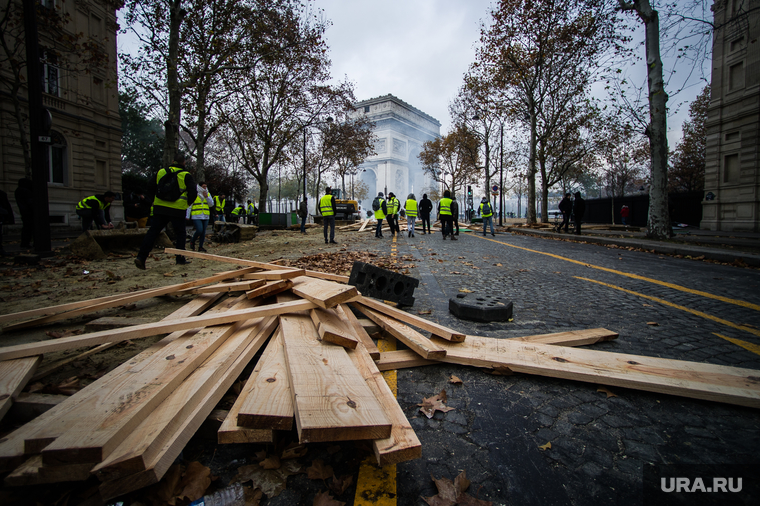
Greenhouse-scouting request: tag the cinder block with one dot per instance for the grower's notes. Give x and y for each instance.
(481, 308)
(383, 284)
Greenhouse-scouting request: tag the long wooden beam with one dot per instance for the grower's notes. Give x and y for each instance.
(414, 320)
(712, 382)
(14, 375)
(423, 346)
(325, 294)
(359, 330)
(332, 329)
(138, 331)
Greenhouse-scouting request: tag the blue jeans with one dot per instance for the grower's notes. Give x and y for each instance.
(488, 220)
(303, 225)
(200, 232)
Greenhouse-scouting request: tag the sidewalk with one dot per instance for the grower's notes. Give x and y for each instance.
(728, 247)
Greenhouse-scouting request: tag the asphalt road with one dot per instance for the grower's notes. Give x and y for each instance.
(601, 446)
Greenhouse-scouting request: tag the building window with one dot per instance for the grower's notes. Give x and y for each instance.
(731, 168)
(736, 76)
(56, 159)
(101, 173)
(97, 89)
(51, 74)
(736, 44)
(366, 108)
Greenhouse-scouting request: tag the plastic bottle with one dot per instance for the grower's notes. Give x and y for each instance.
(229, 496)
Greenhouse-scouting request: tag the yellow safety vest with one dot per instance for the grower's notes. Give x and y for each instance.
(446, 206)
(251, 209)
(484, 215)
(200, 206)
(393, 205)
(411, 208)
(325, 205)
(237, 211)
(379, 215)
(83, 204)
(219, 204)
(181, 203)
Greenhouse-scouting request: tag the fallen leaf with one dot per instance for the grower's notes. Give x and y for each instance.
(647, 305)
(293, 451)
(339, 485)
(454, 380)
(272, 462)
(501, 370)
(547, 446)
(168, 274)
(167, 489)
(430, 405)
(325, 499)
(653, 324)
(319, 470)
(271, 481)
(425, 311)
(498, 265)
(606, 391)
(465, 290)
(195, 481)
(450, 494)
(252, 496)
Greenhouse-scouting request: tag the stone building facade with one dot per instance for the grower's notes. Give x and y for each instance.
(84, 157)
(732, 172)
(400, 131)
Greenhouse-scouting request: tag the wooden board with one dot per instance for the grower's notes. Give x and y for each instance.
(124, 299)
(276, 275)
(359, 331)
(138, 331)
(173, 446)
(28, 406)
(401, 359)
(266, 401)
(332, 329)
(55, 421)
(370, 326)
(270, 289)
(238, 286)
(432, 327)
(261, 265)
(139, 447)
(331, 400)
(41, 372)
(423, 346)
(14, 375)
(364, 225)
(325, 294)
(732, 385)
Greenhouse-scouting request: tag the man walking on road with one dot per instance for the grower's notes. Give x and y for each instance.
(444, 214)
(327, 208)
(487, 213)
(426, 207)
(303, 213)
(380, 213)
(566, 207)
(393, 207)
(411, 214)
(579, 208)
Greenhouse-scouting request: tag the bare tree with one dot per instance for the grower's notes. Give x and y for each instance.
(453, 159)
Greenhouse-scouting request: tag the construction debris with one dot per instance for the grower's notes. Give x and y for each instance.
(319, 371)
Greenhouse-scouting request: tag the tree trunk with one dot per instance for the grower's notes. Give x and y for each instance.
(171, 139)
(531, 203)
(658, 226)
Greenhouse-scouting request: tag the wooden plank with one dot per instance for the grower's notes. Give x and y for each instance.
(432, 327)
(172, 447)
(29, 406)
(55, 421)
(364, 225)
(27, 473)
(138, 331)
(116, 411)
(49, 310)
(270, 289)
(51, 368)
(407, 335)
(370, 326)
(359, 331)
(325, 294)
(732, 385)
(332, 329)
(239, 286)
(330, 398)
(126, 299)
(114, 322)
(261, 265)
(231, 433)
(266, 401)
(14, 375)
(139, 447)
(401, 359)
(288, 273)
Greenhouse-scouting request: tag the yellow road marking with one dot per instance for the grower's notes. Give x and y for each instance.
(737, 302)
(744, 344)
(682, 308)
(376, 486)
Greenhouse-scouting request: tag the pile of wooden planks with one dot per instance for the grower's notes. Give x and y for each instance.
(319, 372)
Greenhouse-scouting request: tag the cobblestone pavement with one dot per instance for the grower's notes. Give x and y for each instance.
(600, 446)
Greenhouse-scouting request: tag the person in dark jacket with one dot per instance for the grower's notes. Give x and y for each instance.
(303, 213)
(6, 217)
(165, 212)
(136, 209)
(25, 202)
(455, 215)
(579, 208)
(426, 207)
(566, 207)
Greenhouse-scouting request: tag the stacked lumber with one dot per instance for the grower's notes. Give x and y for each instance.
(319, 372)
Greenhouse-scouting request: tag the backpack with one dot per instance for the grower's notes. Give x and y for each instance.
(486, 208)
(376, 204)
(168, 187)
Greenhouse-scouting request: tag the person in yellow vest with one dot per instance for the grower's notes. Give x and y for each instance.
(219, 202)
(444, 214)
(95, 208)
(486, 212)
(393, 208)
(199, 214)
(381, 211)
(327, 208)
(252, 213)
(411, 213)
(237, 213)
(169, 211)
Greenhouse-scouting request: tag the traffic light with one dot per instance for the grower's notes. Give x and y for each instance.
(469, 190)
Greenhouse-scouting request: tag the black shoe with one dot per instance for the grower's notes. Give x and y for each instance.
(454, 238)
(326, 241)
(202, 249)
(192, 247)
(140, 263)
(333, 242)
(493, 235)
(181, 261)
